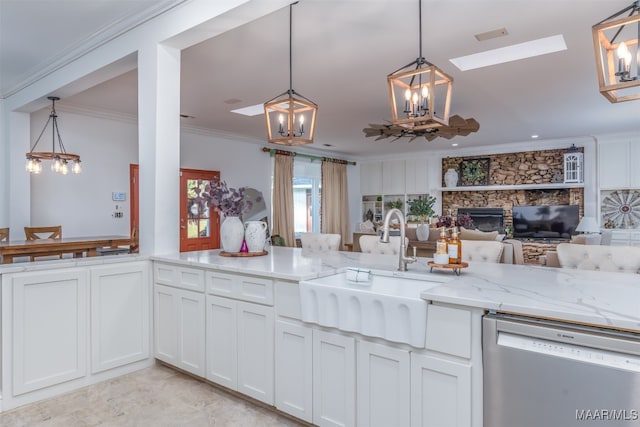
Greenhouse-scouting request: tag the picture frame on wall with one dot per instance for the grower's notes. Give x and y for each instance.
(474, 172)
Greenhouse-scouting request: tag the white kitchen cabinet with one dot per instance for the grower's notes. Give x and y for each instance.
(120, 315)
(240, 346)
(440, 392)
(334, 388)
(49, 315)
(393, 174)
(383, 385)
(293, 376)
(617, 165)
(180, 328)
(416, 176)
(371, 178)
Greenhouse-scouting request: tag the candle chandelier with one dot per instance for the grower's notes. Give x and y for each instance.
(60, 157)
(420, 93)
(617, 54)
(291, 118)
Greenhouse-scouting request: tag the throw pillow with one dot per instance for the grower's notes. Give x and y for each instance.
(477, 234)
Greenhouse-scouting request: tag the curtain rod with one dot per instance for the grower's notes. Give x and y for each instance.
(272, 151)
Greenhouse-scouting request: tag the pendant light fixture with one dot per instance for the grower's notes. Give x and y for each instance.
(291, 118)
(618, 55)
(59, 156)
(420, 92)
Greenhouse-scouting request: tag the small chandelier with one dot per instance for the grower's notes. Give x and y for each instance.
(60, 158)
(618, 55)
(420, 93)
(290, 116)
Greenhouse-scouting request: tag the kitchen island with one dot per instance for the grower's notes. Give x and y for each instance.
(330, 376)
(238, 323)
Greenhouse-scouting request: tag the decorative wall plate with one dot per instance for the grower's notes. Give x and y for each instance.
(622, 207)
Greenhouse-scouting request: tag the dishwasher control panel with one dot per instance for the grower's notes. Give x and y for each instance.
(569, 351)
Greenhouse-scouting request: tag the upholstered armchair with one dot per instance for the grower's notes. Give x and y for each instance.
(319, 242)
(482, 250)
(620, 259)
(373, 245)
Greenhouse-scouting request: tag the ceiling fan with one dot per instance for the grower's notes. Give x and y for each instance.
(457, 126)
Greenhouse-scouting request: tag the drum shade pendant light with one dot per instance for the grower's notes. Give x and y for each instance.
(291, 118)
(420, 92)
(617, 54)
(59, 156)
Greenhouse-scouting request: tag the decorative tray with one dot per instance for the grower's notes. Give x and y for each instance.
(455, 267)
(243, 254)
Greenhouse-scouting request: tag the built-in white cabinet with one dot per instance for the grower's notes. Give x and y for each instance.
(440, 392)
(66, 328)
(617, 165)
(371, 178)
(179, 328)
(240, 334)
(120, 315)
(293, 377)
(625, 238)
(416, 176)
(50, 318)
(179, 315)
(334, 381)
(393, 175)
(383, 385)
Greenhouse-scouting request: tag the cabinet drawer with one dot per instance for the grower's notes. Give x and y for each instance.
(238, 286)
(449, 330)
(178, 276)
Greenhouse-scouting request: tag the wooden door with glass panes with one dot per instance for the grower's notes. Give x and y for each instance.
(199, 224)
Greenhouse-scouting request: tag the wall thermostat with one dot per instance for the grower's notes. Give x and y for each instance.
(118, 197)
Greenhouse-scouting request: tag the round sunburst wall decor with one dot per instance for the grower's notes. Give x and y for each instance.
(622, 207)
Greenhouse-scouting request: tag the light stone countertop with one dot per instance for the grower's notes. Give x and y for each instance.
(588, 297)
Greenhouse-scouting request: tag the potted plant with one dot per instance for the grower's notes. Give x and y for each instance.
(393, 204)
(422, 207)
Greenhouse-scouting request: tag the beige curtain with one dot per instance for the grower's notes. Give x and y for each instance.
(335, 200)
(283, 199)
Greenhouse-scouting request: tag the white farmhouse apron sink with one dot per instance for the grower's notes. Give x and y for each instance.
(386, 306)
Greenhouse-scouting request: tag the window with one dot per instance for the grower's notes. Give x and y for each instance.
(307, 177)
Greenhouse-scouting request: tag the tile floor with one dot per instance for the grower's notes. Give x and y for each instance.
(154, 397)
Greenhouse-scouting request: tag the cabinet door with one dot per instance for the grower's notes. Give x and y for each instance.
(440, 392)
(255, 351)
(614, 165)
(334, 393)
(179, 328)
(166, 323)
(293, 378)
(371, 178)
(222, 367)
(393, 177)
(119, 315)
(416, 176)
(50, 326)
(383, 385)
(191, 336)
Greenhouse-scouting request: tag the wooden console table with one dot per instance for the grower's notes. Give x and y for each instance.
(78, 246)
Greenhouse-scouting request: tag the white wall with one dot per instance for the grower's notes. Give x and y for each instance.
(82, 203)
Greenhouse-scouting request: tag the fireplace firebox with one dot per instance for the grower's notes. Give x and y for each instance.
(485, 219)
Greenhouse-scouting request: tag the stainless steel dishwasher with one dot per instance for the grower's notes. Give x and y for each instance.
(545, 373)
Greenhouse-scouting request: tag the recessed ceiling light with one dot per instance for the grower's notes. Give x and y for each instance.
(511, 53)
(328, 145)
(455, 144)
(535, 136)
(500, 32)
(252, 110)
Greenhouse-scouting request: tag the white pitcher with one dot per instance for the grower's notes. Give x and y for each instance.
(255, 234)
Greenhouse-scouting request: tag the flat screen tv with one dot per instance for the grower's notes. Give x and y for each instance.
(545, 222)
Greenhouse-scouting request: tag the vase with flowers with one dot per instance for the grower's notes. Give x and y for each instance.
(232, 204)
(447, 221)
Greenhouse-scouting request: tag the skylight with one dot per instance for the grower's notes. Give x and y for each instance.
(252, 110)
(511, 53)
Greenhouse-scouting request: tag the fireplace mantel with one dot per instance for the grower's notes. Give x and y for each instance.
(553, 186)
